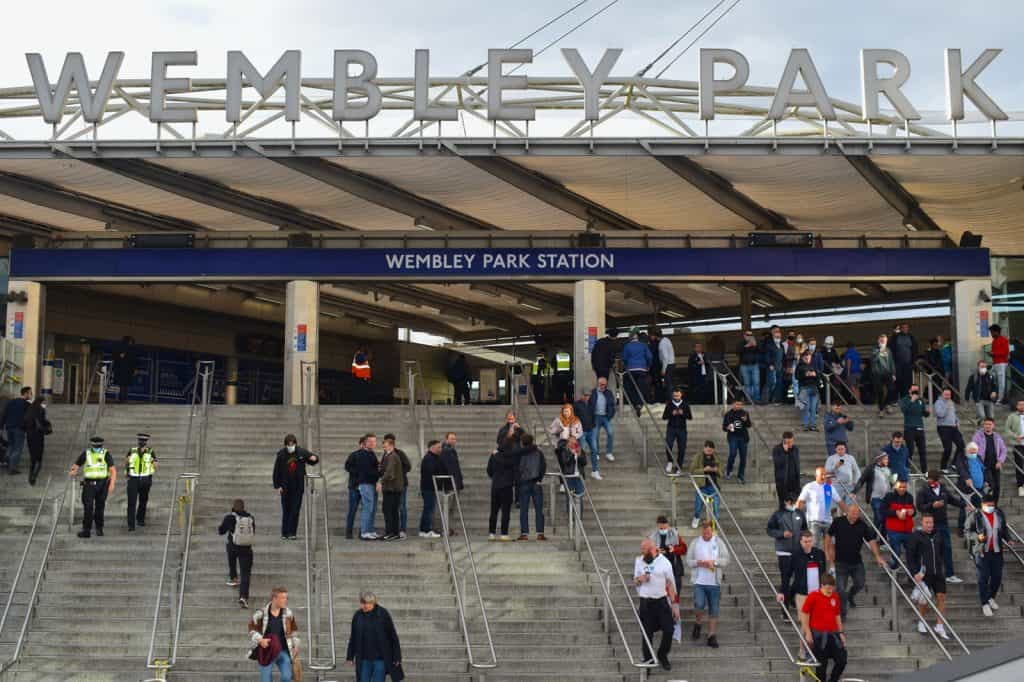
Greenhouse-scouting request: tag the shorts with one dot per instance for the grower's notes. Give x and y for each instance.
(935, 583)
(707, 597)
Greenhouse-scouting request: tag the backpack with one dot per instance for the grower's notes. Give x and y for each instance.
(244, 534)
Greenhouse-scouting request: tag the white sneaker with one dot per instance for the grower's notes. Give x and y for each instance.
(596, 475)
(369, 536)
(1020, 491)
(561, 488)
(987, 610)
(609, 456)
(425, 535)
(669, 468)
(492, 537)
(694, 523)
(993, 604)
(953, 579)
(940, 630)
(922, 627)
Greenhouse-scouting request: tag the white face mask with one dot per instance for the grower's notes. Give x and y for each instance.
(799, 339)
(811, 346)
(663, 531)
(988, 509)
(791, 507)
(983, 371)
(882, 344)
(972, 455)
(290, 448)
(42, 405)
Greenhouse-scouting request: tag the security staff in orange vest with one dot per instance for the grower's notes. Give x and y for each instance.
(361, 375)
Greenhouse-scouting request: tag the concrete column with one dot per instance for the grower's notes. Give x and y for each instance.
(970, 318)
(231, 381)
(25, 331)
(588, 327)
(301, 336)
(745, 307)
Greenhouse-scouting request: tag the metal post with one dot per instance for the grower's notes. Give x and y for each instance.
(752, 609)
(894, 623)
(606, 578)
(643, 447)
(551, 494)
(675, 501)
(867, 445)
(423, 442)
(828, 394)
(715, 384)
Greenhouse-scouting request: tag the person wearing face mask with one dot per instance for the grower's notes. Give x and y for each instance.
(1014, 429)
(794, 352)
(883, 374)
(915, 411)
(785, 526)
(991, 452)
(987, 535)
(947, 422)
(37, 427)
(290, 482)
(750, 369)
(773, 358)
(936, 498)
(982, 390)
(670, 545)
(707, 557)
(659, 601)
(834, 369)
(140, 463)
(971, 480)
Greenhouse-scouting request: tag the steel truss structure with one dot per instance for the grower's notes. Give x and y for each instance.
(666, 105)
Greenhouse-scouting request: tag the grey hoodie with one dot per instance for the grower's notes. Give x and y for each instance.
(945, 413)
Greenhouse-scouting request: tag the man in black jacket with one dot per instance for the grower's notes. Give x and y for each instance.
(736, 423)
(366, 469)
(581, 408)
(450, 460)
(925, 551)
(354, 497)
(807, 568)
(290, 482)
(677, 413)
(987, 537)
(786, 462)
(532, 467)
(935, 498)
(698, 365)
(785, 526)
(431, 465)
(603, 354)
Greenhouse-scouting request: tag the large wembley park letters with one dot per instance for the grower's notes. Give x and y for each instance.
(358, 95)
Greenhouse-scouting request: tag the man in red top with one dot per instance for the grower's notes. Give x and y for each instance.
(1000, 360)
(823, 629)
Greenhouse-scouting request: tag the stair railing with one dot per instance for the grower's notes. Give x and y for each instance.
(319, 575)
(444, 489)
(424, 420)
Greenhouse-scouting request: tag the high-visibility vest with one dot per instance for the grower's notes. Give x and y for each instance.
(360, 366)
(540, 366)
(563, 362)
(140, 462)
(95, 464)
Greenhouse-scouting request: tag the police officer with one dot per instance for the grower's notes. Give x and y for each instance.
(140, 463)
(99, 475)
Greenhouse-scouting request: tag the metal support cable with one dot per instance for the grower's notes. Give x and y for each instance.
(643, 71)
(695, 40)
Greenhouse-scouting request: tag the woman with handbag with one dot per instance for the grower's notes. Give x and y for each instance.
(37, 427)
(373, 646)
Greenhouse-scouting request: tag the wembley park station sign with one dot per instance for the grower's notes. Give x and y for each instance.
(357, 94)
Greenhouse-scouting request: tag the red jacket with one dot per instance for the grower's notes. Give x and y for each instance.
(891, 504)
(1000, 350)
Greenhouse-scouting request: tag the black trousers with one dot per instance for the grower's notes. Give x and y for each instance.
(34, 441)
(291, 505)
(993, 477)
(828, 646)
(674, 436)
(240, 566)
(461, 390)
(1018, 458)
(138, 497)
(950, 436)
(915, 439)
(656, 614)
(786, 571)
(904, 378)
(392, 505)
(668, 382)
(94, 502)
(782, 487)
(636, 388)
(501, 499)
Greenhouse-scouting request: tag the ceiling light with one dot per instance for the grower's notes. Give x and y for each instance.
(266, 299)
(671, 313)
(530, 306)
(760, 302)
(856, 289)
(209, 287)
(382, 325)
(728, 288)
(909, 224)
(327, 314)
(420, 223)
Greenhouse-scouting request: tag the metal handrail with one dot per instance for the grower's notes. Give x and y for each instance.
(204, 376)
(810, 659)
(459, 597)
(310, 406)
(728, 374)
(645, 407)
(413, 370)
(192, 484)
(906, 570)
(309, 523)
(931, 372)
(24, 554)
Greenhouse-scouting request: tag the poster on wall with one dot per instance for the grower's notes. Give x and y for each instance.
(983, 323)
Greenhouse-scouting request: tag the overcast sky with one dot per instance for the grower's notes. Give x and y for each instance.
(459, 33)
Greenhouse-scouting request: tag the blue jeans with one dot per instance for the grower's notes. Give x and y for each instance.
(527, 492)
(427, 518)
(589, 443)
(15, 444)
(371, 671)
(737, 445)
(698, 501)
(575, 485)
(943, 530)
(284, 666)
(750, 375)
(403, 512)
(368, 495)
(809, 394)
(602, 422)
(879, 515)
(353, 503)
(707, 597)
(775, 387)
(897, 540)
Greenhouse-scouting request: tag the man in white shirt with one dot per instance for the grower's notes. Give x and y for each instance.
(707, 556)
(817, 499)
(659, 602)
